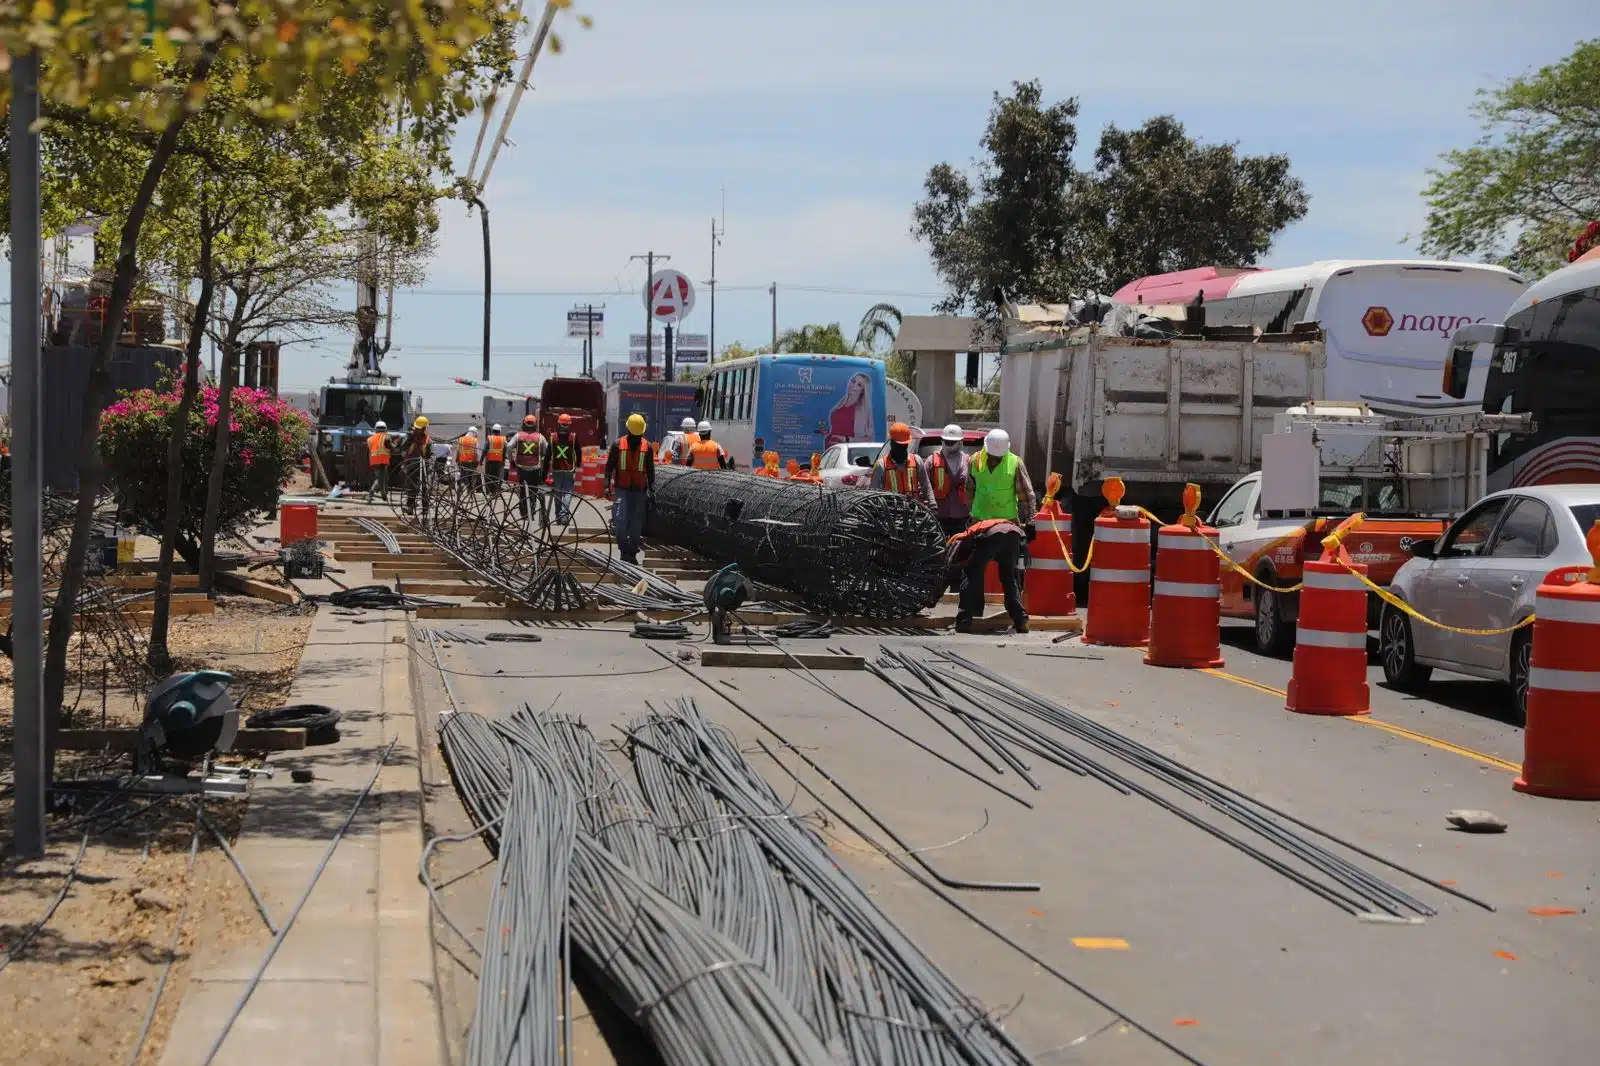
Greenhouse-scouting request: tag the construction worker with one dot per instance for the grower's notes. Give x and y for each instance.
(769, 465)
(494, 459)
(378, 460)
(467, 454)
(678, 449)
(418, 457)
(951, 475)
(561, 465)
(1003, 507)
(707, 454)
(900, 471)
(630, 481)
(527, 455)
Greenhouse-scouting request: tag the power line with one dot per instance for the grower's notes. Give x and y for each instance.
(832, 290)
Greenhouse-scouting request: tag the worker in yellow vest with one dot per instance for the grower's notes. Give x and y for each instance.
(1003, 507)
(378, 461)
(900, 471)
(494, 459)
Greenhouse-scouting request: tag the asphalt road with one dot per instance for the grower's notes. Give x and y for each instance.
(1183, 940)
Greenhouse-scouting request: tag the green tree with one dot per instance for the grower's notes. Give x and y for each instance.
(1031, 225)
(820, 340)
(1521, 195)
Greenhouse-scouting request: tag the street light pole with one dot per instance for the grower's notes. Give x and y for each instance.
(27, 468)
(716, 239)
(483, 211)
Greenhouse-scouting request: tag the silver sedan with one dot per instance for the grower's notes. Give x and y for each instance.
(1483, 573)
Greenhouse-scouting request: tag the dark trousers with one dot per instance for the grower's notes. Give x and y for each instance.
(529, 500)
(380, 481)
(493, 471)
(1002, 549)
(627, 518)
(418, 475)
(952, 526)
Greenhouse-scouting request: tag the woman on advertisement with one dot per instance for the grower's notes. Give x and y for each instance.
(852, 417)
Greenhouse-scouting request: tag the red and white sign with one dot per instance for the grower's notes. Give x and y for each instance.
(670, 296)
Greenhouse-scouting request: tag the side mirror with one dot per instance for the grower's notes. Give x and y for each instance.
(1424, 549)
(1458, 363)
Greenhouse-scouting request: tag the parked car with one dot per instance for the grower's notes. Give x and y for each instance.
(1482, 573)
(848, 464)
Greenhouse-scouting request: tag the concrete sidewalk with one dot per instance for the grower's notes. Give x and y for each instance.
(352, 983)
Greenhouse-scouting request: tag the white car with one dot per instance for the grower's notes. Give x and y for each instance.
(848, 465)
(1483, 574)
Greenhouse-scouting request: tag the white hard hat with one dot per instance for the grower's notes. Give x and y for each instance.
(380, 425)
(688, 425)
(703, 427)
(951, 434)
(997, 443)
(497, 427)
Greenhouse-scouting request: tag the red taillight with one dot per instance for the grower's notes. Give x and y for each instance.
(850, 479)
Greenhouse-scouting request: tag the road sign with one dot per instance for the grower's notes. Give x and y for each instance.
(580, 322)
(670, 296)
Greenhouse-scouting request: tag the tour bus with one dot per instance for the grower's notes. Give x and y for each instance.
(1384, 320)
(794, 405)
(1546, 363)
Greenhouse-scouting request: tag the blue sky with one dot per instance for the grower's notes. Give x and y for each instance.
(821, 118)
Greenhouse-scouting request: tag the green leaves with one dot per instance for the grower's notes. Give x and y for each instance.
(1527, 188)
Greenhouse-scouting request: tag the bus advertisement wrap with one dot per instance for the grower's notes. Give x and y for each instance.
(812, 405)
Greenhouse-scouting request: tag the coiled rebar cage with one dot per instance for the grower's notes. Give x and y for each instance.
(842, 551)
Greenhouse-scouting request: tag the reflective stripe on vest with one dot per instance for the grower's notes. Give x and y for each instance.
(378, 449)
(563, 457)
(901, 479)
(497, 449)
(468, 452)
(626, 477)
(527, 449)
(995, 487)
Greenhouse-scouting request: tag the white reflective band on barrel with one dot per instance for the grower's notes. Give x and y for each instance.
(1346, 582)
(1542, 677)
(1550, 609)
(1125, 577)
(1323, 638)
(1183, 543)
(1140, 535)
(1060, 525)
(1184, 588)
(1047, 564)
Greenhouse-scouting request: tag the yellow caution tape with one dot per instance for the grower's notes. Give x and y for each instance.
(1227, 561)
(1401, 605)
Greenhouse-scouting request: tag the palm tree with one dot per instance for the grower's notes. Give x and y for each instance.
(881, 322)
(823, 340)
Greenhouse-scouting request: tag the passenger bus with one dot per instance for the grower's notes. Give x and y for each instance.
(1545, 363)
(1384, 319)
(793, 404)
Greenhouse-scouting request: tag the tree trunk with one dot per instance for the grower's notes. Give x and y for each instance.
(158, 656)
(90, 468)
(219, 465)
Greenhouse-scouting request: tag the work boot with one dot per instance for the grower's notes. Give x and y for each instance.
(963, 623)
(1019, 626)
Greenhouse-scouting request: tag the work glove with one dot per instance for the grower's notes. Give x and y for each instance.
(1030, 531)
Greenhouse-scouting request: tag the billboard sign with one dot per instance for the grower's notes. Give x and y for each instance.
(581, 321)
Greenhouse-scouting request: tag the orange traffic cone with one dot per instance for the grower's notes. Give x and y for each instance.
(1330, 647)
(1561, 744)
(1186, 609)
(1119, 575)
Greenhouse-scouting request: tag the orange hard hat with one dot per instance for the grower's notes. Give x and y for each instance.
(900, 433)
(564, 420)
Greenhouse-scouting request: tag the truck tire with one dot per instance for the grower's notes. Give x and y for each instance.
(1398, 653)
(1273, 635)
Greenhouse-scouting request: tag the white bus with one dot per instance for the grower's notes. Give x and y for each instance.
(795, 405)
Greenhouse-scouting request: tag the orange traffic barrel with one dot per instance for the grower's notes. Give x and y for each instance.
(1186, 605)
(1330, 647)
(1049, 589)
(591, 479)
(1561, 744)
(1119, 581)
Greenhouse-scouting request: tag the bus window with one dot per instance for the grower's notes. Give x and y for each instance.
(750, 391)
(741, 395)
(719, 394)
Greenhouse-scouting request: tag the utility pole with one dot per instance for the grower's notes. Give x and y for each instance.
(649, 298)
(774, 291)
(588, 347)
(666, 355)
(716, 239)
(27, 468)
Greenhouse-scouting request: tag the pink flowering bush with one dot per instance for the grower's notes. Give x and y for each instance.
(267, 437)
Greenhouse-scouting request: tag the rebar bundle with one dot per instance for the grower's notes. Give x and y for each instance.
(841, 551)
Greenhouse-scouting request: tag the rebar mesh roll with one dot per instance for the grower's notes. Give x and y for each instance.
(842, 551)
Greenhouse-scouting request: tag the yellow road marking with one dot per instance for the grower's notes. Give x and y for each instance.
(1100, 943)
(1388, 727)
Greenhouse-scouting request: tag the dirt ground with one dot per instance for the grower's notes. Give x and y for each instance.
(78, 989)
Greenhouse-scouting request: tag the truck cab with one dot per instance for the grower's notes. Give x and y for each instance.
(346, 414)
(583, 399)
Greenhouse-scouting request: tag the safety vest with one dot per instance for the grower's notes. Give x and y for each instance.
(527, 450)
(497, 448)
(706, 455)
(418, 444)
(943, 483)
(995, 487)
(631, 476)
(901, 478)
(378, 449)
(468, 450)
(563, 452)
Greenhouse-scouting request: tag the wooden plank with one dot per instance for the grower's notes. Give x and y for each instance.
(128, 739)
(777, 660)
(999, 623)
(181, 603)
(259, 589)
(139, 582)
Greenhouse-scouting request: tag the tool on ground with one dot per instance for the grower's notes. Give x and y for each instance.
(189, 719)
(725, 592)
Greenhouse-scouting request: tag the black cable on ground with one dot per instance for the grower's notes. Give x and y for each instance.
(318, 721)
(177, 931)
(661, 631)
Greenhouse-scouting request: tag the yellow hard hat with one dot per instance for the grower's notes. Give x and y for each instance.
(420, 423)
(636, 423)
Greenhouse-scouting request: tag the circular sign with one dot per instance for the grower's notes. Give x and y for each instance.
(670, 296)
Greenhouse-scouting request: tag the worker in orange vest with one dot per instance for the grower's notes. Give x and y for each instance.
(467, 455)
(630, 481)
(707, 454)
(561, 464)
(494, 459)
(950, 471)
(378, 461)
(527, 455)
(769, 465)
(900, 471)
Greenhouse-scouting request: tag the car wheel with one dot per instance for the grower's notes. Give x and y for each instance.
(1274, 636)
(1521, 667)
(1398, 652)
